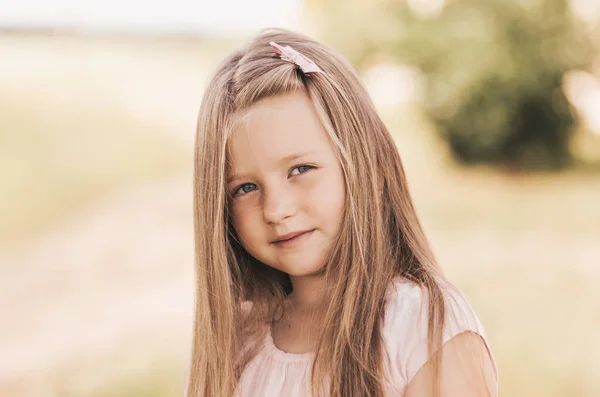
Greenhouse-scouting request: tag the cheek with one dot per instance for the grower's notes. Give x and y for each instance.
(328, 199)
(337, 205)
(247, 220)
(241, 222)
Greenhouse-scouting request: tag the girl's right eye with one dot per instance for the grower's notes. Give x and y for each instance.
(242, 188)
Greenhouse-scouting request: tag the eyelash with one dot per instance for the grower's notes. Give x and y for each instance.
(242, 185)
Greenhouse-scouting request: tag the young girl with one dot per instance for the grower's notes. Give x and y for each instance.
(313, 274)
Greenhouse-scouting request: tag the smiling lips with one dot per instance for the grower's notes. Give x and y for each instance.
(290, 239)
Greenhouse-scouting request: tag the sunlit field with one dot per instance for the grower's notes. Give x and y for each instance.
(96, 250)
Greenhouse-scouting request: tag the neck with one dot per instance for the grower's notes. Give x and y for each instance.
(308, 292)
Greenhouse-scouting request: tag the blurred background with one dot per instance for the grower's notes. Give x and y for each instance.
(494, 105)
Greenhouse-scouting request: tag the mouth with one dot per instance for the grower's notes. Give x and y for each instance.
(293, 238)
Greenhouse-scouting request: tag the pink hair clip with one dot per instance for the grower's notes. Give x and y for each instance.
(287, 53)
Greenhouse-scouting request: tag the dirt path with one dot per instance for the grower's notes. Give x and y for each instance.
(116, 276)
(116, 272)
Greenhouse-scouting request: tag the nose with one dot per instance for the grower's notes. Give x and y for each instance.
(278, 204)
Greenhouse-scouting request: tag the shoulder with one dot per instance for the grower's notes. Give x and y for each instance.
(466, 369)
(406, 320)
(407, 305)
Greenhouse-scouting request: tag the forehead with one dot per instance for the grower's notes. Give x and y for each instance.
(276, 128)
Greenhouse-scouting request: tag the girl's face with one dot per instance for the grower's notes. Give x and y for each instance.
(285, 178)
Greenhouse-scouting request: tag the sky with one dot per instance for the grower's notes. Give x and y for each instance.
(222, 17)
(227, 17)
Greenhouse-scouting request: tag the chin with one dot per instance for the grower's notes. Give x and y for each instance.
(302, 271)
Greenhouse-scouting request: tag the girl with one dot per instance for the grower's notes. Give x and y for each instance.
(313, 274)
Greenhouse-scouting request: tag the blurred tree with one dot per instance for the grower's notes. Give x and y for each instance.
(494, 69)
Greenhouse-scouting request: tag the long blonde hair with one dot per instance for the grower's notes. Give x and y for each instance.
(380, 238)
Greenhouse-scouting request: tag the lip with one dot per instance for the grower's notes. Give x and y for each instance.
(291, 239)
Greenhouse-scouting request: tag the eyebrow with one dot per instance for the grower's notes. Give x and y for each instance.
(286, 159)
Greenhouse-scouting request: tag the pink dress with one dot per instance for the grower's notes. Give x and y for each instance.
(275, 373)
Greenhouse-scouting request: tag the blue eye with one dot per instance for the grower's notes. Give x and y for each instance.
(308, 167)
(242, 188)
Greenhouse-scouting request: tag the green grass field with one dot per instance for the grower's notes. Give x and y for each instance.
(84, 118)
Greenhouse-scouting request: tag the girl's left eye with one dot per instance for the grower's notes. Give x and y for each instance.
(306, 167)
